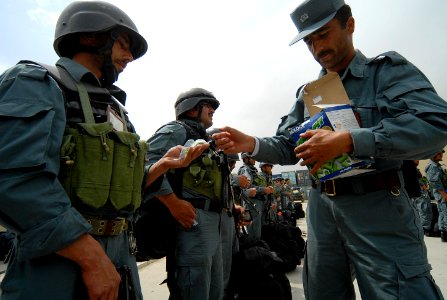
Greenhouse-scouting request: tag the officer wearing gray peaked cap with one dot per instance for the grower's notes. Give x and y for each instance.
(311, 15)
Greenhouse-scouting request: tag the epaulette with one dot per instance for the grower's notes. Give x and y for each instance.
(298, 91)
(394, 57)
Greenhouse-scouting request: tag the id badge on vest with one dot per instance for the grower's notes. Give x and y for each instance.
(115, 119)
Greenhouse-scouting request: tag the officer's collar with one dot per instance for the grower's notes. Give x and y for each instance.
(197, 126)
(356, 67)
(82, 74)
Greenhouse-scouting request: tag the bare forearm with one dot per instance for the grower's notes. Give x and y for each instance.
(83, 251)
(98, 272)
(155, 171)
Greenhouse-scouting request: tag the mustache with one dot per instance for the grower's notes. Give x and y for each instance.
(323, 53)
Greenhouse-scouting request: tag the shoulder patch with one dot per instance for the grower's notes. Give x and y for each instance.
(170, 127)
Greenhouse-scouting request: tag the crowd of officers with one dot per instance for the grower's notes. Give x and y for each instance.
(73, 172)
(431, 201)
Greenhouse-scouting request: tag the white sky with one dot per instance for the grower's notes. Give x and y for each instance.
(238, 49)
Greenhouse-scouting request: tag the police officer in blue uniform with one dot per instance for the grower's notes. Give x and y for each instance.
(436, 177)
(364, 222)
(72, 165)
(232, 222)
(256, 202)
(269, 214)
(195, 196)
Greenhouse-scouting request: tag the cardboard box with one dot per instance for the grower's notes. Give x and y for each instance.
(330, 109)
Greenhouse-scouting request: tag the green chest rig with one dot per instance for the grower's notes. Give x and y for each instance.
(98, 163)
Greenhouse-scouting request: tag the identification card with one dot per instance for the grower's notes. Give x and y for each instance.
(115, 119)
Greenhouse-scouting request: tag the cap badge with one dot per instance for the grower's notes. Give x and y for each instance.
(304, 17)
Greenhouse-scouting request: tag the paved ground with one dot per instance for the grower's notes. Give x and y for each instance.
(153, 273)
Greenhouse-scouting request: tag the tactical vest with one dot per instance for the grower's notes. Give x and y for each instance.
(257, 179)
(98, 163)
(204, 176)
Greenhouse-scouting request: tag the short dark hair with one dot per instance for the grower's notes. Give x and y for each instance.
(343, 14)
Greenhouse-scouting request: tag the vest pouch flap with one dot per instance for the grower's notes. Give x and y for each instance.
(67, 147)
(216, 174)
(201, 180)
(195, 172)
(138, 174)
(207, 161)
(128, 170)
(127, 138)
(97, 129)
(88, 178)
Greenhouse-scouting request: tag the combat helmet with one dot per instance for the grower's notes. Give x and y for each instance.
(189, 99)
(245, 154)
(95, 17)
(233, 157)
(261, 164)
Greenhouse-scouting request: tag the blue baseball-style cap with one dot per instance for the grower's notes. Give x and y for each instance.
(311, 15)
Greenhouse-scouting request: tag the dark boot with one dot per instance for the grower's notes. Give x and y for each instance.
(444, 236)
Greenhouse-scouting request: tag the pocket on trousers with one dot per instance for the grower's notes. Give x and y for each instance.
(415, 282)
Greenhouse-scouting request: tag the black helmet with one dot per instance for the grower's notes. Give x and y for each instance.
(245, 154)
(188, 100)
(261, 164)
(233, 157)
(95, 17)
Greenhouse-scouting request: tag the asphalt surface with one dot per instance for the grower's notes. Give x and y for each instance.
(152, 273)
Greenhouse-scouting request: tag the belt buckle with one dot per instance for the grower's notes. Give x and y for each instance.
(98, 226)
(115, 227)
(333, 188)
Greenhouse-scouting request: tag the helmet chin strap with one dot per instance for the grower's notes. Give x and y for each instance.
(108, 70)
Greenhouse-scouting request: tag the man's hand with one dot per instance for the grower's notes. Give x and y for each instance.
(240, 211)
(251, 192)
(268, 190)
(98, 272)
(233, 141)
(243, 181)
(322, 146)
(443, 194)
(181, 210)
(172, 160)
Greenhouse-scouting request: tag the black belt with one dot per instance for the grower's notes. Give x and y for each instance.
(388, 180)
(206, 204)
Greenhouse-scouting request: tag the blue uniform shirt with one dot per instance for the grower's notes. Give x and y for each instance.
(399, 111)
(33, 203)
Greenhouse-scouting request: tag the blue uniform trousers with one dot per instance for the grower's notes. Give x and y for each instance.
(376, 236)
(254, 229)
(198, 255)
(230, 244)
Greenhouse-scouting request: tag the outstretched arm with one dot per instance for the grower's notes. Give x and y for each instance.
(172, 160)
(234, 141)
